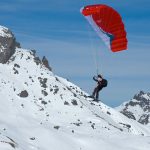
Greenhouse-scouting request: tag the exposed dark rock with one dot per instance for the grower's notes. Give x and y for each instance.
(74, 102)
(66, 103)
(77, 124)
(147, 108)
(61, 96)
(28, 58)
(44, 93)
(23, 94)
(33, 52)
(10, 143)
(55, 89)
(51, 90)
(93, 125)
(72, 131)
(139, 96)
(56, 127)
(32, 138)
(8, 44)
(141, 100)
(131, 103)
(37, 60)
(144, 119)
(43, 82)
(108, 113)
(44, 102)
(16, 65)
(126, 125)
(75, 95)
(15, 71)
(116, 127)
(128, 114)
(46, 63)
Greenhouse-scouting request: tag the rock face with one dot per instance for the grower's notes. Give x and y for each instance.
(138, 108)
(46, 63)
(23, 94)
(7, 44)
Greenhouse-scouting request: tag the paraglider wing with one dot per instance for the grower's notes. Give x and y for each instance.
(108, 24)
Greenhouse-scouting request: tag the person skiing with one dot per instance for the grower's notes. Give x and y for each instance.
(101, 83)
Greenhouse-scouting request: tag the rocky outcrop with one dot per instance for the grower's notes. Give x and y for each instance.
(23, 94)
(46, 63)
(138, 108)
(7, 44)
(128, 114)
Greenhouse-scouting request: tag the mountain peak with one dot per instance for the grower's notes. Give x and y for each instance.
(137, 108)
(139, 96)
(8, 44)
(5, 32)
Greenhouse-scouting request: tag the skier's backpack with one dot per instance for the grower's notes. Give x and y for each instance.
(104, 83)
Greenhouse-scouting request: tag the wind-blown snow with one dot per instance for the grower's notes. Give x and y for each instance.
(42, 111)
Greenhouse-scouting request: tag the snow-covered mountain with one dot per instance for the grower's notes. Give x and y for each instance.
(42, 111)
(137, 108)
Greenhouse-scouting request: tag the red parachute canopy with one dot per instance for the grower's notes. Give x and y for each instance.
(108, 24)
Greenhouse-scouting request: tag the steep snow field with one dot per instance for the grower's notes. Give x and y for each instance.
(42, 111)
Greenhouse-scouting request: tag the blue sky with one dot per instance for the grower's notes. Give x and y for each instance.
(57, 30)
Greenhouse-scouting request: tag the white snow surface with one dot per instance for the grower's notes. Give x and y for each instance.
(57, 115)
(4, 32)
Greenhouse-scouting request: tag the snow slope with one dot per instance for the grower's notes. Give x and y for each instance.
(42, 111)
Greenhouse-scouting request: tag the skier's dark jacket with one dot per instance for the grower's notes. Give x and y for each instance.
(100, 81)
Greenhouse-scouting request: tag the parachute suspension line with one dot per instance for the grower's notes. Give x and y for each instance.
(95, 55)
(94, 52)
